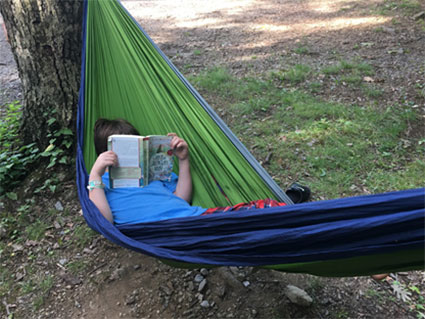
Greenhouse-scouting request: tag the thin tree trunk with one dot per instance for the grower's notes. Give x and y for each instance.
(45, 36)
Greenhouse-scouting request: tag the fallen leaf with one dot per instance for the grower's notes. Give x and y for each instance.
(19, 276)
(30, 243)
(17, 247)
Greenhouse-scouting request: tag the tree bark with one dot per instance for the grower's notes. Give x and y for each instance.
(45, 36)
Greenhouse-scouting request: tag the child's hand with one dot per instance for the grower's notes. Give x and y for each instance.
(179, 146)
(108, 158)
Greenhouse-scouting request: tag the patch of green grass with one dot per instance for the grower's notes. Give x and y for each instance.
(404, 7)
(43, 289)
(338, 149)
(348, 66)
(217, 80)
(77, 266)
(341, 314)
(221, 83)
(375, 295)
(420, 89)
(349, 72)
(187, 66)
(372, 92)
(410, 5)
(297, 74)
(352, 79)
(83, 235)
(364, 68)
(36, 230)
(315, 87)
(395, 21)
(302, 50)
(28, 286)
(6, 281)
(197, 52)
(332, 69)
(388, 177)
(38, 302)
(253, 104)
(46, 284)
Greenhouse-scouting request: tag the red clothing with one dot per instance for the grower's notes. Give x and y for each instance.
(261, 203)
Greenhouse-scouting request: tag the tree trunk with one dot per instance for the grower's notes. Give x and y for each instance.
(45, 36)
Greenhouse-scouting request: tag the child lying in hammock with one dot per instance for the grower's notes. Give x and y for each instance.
(160, 199)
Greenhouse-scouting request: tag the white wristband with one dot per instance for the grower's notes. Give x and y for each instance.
(95, 184)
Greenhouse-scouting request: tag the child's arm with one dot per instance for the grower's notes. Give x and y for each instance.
(184, 184)
(97, 195)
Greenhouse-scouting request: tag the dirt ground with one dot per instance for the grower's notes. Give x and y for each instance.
(247, 37)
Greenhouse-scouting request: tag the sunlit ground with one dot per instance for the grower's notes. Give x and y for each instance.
(288, 18)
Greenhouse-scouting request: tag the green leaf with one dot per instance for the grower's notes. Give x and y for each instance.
(52, 163)
(67, 144)
(66, 131)
(12, 195)
(415, 289)
(49, 148)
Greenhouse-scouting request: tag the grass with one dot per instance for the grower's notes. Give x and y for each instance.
(405, 7)
(338, 149)
(43, 288)
(76, 267)
(295, 75)
(36, 230)
(348, 67)
(352, 74)
(315, 86)
(302, 50)
(372, 92)
(353, 79)
(83, 235)
(6, 281)
(375, 295)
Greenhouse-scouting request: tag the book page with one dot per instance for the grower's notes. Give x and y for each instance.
(127, 150)
(126, 183)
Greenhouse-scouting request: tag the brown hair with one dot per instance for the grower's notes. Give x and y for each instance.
(103, 128)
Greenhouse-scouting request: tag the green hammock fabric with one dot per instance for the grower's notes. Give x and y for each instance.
(126, 77)
(346, 267)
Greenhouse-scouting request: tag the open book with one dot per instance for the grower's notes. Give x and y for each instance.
(141, 160)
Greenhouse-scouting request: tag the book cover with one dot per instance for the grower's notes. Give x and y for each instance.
(160, 158)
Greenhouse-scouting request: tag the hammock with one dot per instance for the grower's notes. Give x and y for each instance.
(125, 75)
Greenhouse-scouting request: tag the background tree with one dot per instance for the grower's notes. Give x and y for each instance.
(45, 36)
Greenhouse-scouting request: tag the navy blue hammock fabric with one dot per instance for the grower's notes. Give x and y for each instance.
(342, 237)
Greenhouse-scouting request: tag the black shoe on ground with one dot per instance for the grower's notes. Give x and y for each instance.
(298, 193)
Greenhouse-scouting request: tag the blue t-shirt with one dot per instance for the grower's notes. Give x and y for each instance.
(156, 201)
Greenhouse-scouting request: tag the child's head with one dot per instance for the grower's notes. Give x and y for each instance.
(103, 128)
